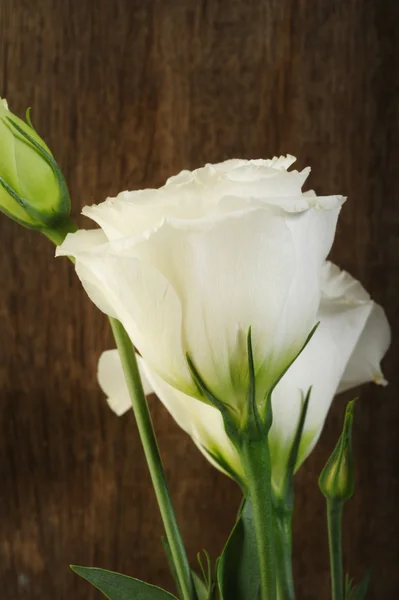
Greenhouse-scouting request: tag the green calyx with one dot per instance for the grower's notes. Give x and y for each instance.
(229, 417)
(247, 425)
(33, 190)
(337, 478)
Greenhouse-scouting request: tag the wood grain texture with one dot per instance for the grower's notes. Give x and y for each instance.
(127, 93)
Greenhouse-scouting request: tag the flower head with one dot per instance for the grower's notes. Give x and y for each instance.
(190, 267)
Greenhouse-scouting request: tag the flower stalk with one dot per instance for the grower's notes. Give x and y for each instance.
(151, 451)
(255, 457)
(337, 484)
(283, 550)
(334, 520)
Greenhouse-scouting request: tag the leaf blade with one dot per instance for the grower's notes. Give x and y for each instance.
(238, 568)
(116, 586)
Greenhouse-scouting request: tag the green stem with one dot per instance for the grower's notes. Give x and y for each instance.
(255, 457)
(151, 451)
(283, 546)
(334, 519)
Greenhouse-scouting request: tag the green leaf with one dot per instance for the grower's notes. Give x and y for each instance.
(200, 587)
(238, 567)
(359, 591)
(121, 587)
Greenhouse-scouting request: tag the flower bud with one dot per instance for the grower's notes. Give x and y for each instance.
(33, 191)
(337, 479)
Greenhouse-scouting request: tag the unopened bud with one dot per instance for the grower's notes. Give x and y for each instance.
(33, 190)
(337, 478)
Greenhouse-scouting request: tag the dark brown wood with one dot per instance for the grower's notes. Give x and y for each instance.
(127, 93)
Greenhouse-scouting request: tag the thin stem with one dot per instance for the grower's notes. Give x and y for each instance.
(283, 545)
(255, 457)
(151, 451)
(334, 519)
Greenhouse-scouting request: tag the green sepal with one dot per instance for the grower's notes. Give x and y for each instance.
(238, 566)
(121, 587)
(255, 429)
(285, 498)
(336, 480)
(230, 425)
(28, 119)
(311, 334)
(358, 591)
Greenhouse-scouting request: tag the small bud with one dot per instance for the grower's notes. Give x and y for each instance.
(33, 191)
(337, 479)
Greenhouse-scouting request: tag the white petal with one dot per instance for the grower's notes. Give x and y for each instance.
(201, 193)
(82, 240)
(130, 213)
(321, 366)
(112, 381)
(279, 163)
(339, 284)
(139, 296)
(364, 364)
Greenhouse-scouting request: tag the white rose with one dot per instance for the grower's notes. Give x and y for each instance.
(188, 268)
(346, 351)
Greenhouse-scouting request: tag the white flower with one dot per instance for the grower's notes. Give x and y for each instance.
(190, 267)
(346, 351)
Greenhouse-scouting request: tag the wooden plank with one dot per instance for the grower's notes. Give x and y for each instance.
(126, 94)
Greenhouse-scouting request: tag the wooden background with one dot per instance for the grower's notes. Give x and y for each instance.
(127, 93)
